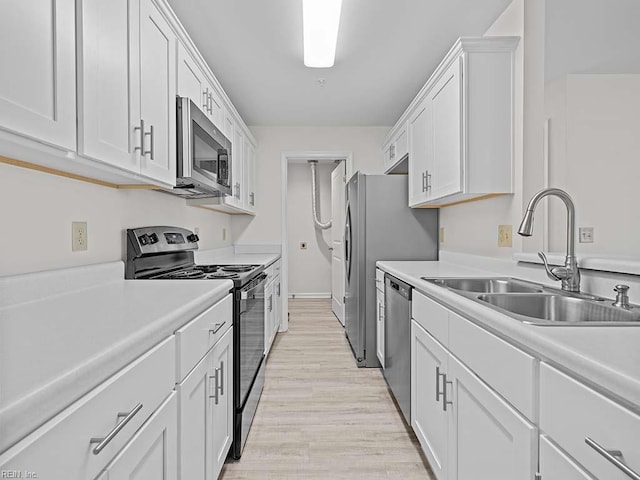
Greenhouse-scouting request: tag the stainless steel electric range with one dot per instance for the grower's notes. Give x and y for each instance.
(166, 253)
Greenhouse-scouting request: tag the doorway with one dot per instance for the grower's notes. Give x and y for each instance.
(324, 158)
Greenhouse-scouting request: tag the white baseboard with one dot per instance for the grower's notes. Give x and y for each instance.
(310, 295)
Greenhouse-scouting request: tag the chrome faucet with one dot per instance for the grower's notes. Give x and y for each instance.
(569, 274)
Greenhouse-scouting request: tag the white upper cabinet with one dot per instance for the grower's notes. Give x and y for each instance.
(461, 126)
(191, 80)
(249, 176)
(127, 88)
(396, 148)
(38, 73)
(157, 94)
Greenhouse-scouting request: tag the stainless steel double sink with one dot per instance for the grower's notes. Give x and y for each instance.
(539, 305)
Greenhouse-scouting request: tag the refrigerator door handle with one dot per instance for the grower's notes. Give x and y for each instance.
(347, 243)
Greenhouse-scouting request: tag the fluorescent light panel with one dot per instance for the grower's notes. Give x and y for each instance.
(320, 21)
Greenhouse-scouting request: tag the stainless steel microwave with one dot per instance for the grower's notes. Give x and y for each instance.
(204, 154)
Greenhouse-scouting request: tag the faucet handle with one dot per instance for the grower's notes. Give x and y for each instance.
(550, 272)
(621, 288)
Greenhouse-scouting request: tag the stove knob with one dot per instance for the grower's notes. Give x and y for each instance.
(153, 238)
(193, 237)
(144, 239)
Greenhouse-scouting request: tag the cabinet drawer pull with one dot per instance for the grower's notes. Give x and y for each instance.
(614, 456)
(104, 441)
(424, 181)
(216, 328)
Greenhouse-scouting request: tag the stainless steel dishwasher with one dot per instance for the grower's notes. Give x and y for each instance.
(397, 342)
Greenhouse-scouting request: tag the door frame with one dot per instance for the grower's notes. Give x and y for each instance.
(301, 156)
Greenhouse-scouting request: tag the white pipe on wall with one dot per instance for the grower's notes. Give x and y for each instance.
(314, 198)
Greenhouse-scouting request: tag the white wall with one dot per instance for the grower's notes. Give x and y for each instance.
(310, 269)
(595, 156)
(473, 227)
(38, 208)
(365, 143)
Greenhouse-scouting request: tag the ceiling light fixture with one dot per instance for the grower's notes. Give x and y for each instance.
(320, 21)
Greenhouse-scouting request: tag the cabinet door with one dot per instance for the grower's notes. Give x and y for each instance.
(487, 437)
(420, 153)
(429, 419)
(249, 176)
(157, 94)
(195, 420)
(380, 326)
(216, 109)
(446, 101)
(109, 83)
(401, 144)
(556, 465)
(38, 73)
(268, 316)
(221, 428)
(237, 161)
(152, 452)
(191, 82)
(277, 305)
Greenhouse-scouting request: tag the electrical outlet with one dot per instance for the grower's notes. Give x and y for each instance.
(79, 236)
(303, 245)
(586, 234)
(224, 234)
(441, 234)
(505, 235)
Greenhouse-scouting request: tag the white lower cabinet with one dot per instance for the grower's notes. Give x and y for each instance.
(152, 452)
(465, 428)
(487, 437)
(206, 413)
(429, 419)
(380, 325)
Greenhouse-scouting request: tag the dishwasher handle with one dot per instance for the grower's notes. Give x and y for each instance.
(399, 286)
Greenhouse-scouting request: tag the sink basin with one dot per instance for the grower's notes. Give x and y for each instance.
(487, 285)
(550, 309)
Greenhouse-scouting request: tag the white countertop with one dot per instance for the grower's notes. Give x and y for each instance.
(607, 358)
(63, 332)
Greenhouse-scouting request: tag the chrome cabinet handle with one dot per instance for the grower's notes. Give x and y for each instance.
(438, 392)
(613, 456)
(252, 196)
(141, 128)
(210, 104)
(221, 386)
(379, 312)
(150, 151)
(238, 190)
(278, 289)
(424, 181)
(392, 152)
(445, 382)
(428, 180)
(104, 441)
(270, 303)
(216, 388)
(217, 327)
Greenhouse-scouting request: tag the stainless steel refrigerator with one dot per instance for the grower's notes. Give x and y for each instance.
(379, 226)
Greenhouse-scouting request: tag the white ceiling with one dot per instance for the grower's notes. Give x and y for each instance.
(386, 51)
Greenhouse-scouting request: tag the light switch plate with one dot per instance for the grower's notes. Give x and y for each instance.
(79, 236)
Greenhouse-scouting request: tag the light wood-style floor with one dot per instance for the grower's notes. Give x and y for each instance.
(321, 417)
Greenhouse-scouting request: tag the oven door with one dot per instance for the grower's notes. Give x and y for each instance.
(204, 153)
(251, 333)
